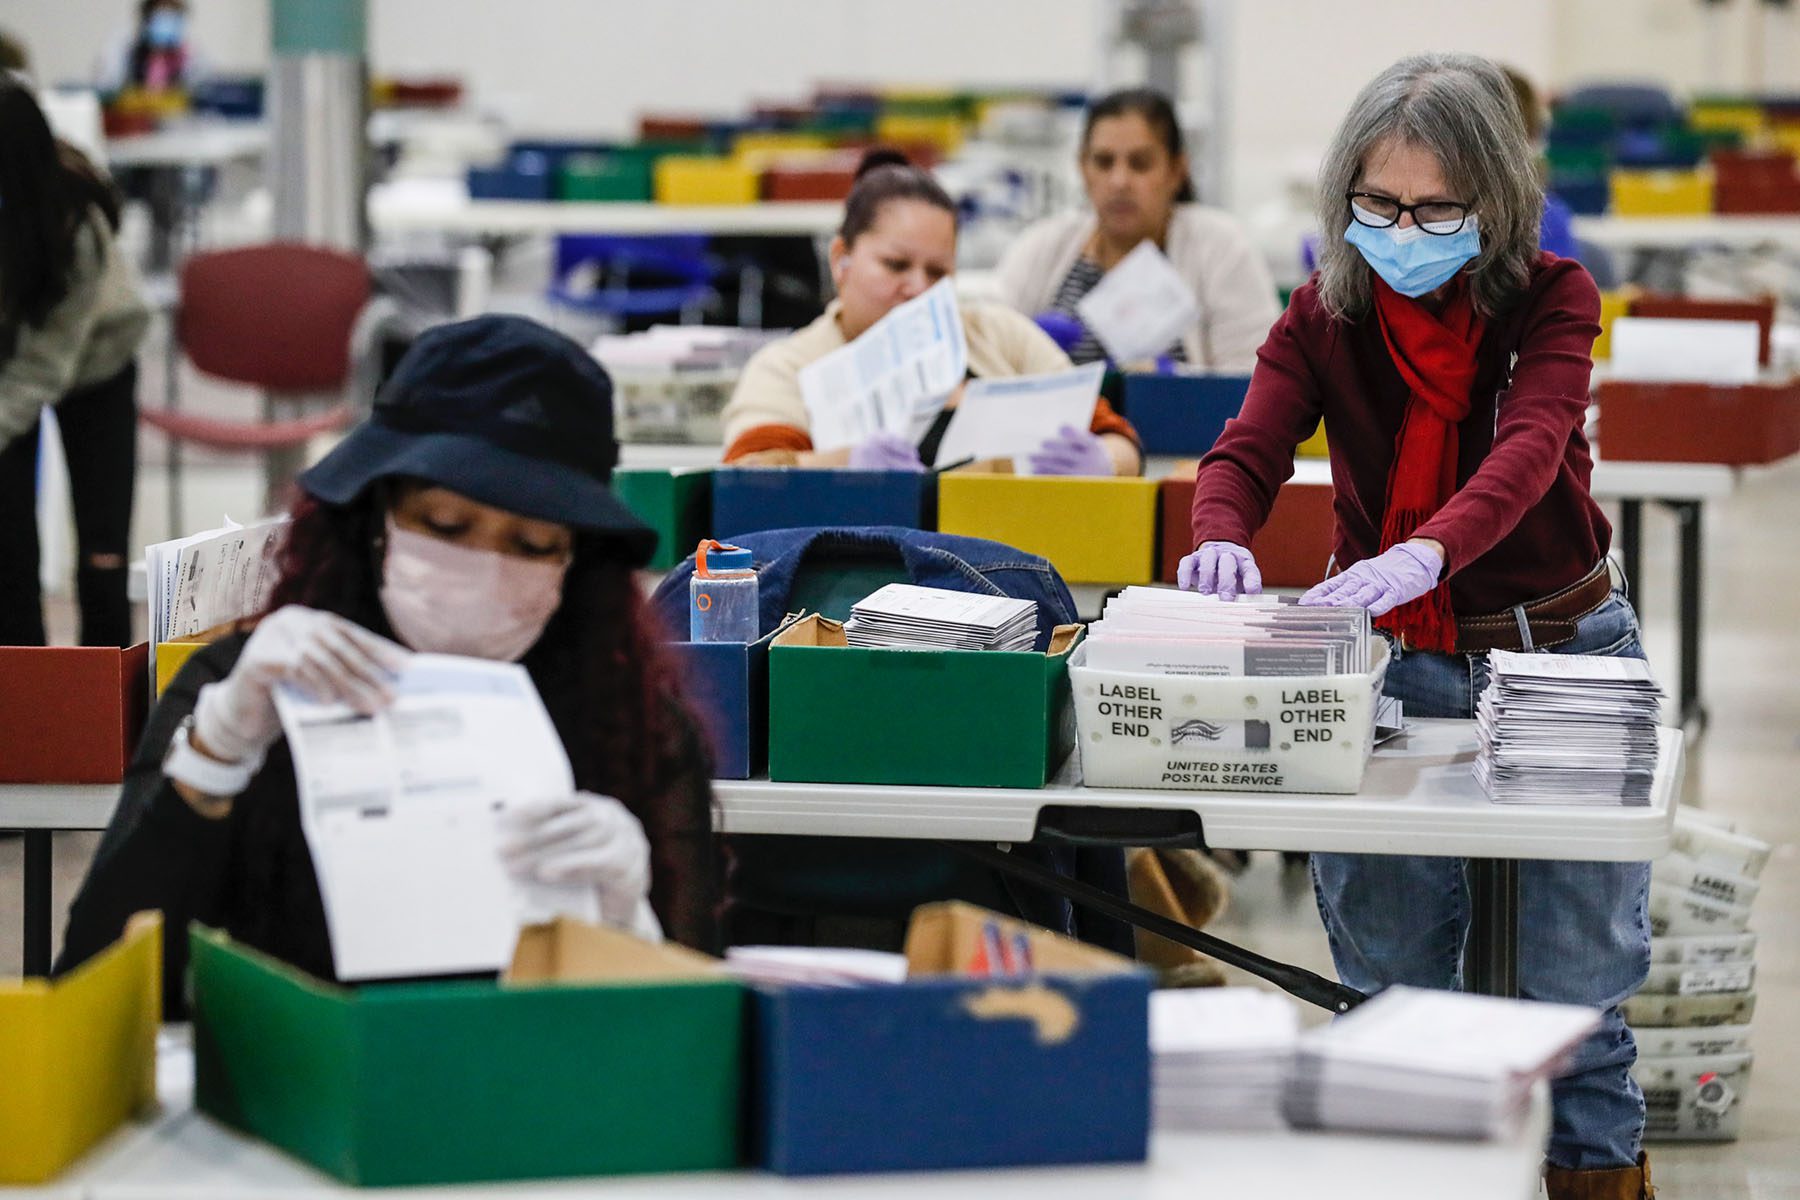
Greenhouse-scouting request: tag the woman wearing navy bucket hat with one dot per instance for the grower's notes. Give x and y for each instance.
(470, 514)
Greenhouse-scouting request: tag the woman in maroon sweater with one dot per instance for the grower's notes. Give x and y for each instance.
(1449, 360)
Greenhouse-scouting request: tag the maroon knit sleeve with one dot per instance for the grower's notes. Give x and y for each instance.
(1240, 476)
(1545, 405)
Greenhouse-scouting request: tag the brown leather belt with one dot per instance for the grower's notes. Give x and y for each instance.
(1552, 619)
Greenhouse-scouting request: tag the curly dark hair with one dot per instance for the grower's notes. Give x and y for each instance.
(608, 686)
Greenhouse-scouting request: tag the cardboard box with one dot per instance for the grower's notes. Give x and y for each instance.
(1182, 414)
(947, 1070)
(600, 1055)
(1662, 193)
(1314, 446)
(752, 499)
(696, 179)
(727, 684)
(1092, 530)
(1687, 308)
(1291, 549)
(1736, 424)
(677, 504)
(79, 1053)
(72, 714)
(521, 177)
(956, 718)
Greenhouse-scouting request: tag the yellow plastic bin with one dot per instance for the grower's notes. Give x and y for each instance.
(1314, 446)
(1662, 193)
(1745, 119)
(944, 132)
(79, 1053)
(698, 180)
(1613, 305)
(1091, 530)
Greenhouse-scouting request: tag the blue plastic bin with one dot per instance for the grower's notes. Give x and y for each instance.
(948, 1072)
(752, 499)
(1182, 414)
(728, 685)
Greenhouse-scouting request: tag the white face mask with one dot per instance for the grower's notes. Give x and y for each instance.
(442, 598)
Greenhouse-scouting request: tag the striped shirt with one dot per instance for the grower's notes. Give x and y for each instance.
(1081, 279)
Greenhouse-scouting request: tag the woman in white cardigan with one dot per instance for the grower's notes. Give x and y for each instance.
(1136, 173)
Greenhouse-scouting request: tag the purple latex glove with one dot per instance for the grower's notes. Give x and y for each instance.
(1072, 452)
(1063, 329)
(1385, 582)
(1222, 569)
(885, 452)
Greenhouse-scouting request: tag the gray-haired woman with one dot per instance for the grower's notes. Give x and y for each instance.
(1449, 359)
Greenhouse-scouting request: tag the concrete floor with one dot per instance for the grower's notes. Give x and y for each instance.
(1747, 765)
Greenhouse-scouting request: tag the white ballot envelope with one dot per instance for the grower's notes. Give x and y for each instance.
(1010, 418)
(1674, 350)
(894, 378)
(399, 810)
(1141, 307)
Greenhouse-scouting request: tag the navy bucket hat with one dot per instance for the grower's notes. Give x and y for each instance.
(502, 410)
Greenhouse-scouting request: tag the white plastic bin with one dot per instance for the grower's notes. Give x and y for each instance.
(1687, 1042)
(1724, 1008)
(1675, 912)
(1711, 979)
(1693, 1099)
(1307, 733)
(1704, 949)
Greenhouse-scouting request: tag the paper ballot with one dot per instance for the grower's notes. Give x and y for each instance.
(399, 810)
(892, 379)
(1428, 1062)
(1010, 418)
(1141, 307)
(199, 582)
(1219, 1057)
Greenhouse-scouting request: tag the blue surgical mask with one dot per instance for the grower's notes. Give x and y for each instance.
(164, 29)
(1413, 260)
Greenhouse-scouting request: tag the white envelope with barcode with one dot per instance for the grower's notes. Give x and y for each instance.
(903, 615)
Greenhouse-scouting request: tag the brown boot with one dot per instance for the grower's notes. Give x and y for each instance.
(1616, 1183)
(1185, 886)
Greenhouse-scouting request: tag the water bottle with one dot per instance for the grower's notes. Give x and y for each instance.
(722, 595)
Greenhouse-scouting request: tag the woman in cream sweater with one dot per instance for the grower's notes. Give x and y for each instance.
(897, 240)
(1135, 171)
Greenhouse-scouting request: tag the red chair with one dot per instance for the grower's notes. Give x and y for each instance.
(291, 319)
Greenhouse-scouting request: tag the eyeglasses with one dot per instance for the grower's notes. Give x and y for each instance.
(1439, 217)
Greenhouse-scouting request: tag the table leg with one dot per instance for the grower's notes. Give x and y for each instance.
(1491, 957)
(37, 901)
(1693, 711)
(1631, 546)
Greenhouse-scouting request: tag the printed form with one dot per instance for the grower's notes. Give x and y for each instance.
(399, 810)
(892, 379)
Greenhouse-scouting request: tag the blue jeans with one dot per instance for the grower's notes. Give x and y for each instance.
(1584, 933)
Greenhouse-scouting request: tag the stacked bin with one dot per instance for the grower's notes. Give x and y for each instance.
(1692, 1016)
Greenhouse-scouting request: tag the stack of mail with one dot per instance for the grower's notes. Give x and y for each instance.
(816, 965)
(1424, 1062)
(202, 581)
(1165, 632)
(905, 615)
(1219, 1057)
(1567, 729)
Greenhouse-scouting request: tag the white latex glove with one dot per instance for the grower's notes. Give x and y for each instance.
(584, 839)
(332, 658)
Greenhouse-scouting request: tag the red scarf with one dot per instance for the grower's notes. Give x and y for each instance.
(1435, 354)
